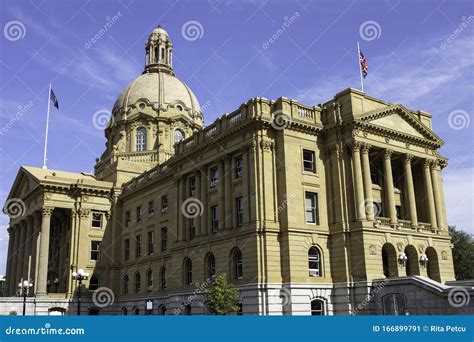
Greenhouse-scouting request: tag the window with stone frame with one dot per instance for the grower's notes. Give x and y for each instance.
(95, 250)
(309, 161)
(97, 218)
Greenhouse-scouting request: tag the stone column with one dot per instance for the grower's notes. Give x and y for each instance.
(9, 273)
(28, 247)
(369, 200)
(389, 190)
(36, 244)
(198, 196)
(204, 229)
(20, 266)
(221, 195)
(358, 183)
(438, 195)
(429, 194)
(228, 198)
(410, 189)
(245, 185)
(41, 289)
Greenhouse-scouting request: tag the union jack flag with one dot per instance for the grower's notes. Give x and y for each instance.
(364, 67)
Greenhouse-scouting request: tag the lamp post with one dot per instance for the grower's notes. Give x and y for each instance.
(402, 259)
(80, 275)
(424, 260)
(24, 286)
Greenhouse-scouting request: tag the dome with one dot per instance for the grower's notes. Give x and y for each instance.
(160, 89)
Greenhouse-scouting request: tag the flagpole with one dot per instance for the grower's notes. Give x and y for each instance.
(47, 127)
(360, 67)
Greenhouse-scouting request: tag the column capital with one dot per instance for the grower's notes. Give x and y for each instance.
(427, 163)
(388, 153)
(84, 213)
(356, 146)
(47, 211)
(441, 163)
(408, 158)
(366, 147)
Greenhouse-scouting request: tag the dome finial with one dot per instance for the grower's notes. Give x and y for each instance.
(159, 51)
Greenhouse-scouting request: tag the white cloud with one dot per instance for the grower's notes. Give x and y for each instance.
(459, 196)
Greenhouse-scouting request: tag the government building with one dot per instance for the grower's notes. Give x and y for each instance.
(333, 209)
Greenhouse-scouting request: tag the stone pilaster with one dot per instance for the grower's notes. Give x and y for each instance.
(221, 195)
(438, 195)
(228, 198)
(204, 229)
(245, 185)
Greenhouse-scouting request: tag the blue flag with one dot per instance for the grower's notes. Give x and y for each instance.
(54, 99)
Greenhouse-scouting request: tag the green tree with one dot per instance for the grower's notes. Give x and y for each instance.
(463, 253)
(222, 297)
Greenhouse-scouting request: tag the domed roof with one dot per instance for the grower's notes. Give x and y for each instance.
(160, 89)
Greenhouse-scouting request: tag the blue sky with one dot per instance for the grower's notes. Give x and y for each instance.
(420, 54)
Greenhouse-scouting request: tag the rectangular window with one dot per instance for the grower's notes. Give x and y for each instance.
(139, 214)
(239, 166)
(239, 211)
(95, 250)
(192, 228)
(374, 175)
(214, 176)
(214, 218)
(127, 249)
(151, 208)
(192, 186)
(150, 243)
(398, 210)
(164, 204)
(97, 220)
(312, 208)
(138, 246)
(127, 218)
(309, 161)
(164, 239)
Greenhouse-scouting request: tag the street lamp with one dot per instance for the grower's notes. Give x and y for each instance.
(80, 275)
(402, 258)
(24, 286)
(424, 260)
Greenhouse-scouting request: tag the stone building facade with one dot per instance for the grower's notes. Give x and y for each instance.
(307, 209)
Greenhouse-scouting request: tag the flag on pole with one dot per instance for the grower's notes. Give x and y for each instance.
(54, 99)
(364, 67)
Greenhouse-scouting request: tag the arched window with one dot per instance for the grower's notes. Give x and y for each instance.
(314, 262)
(317, 307)
(188, 271)
(210, 265)
(237, 265)
(149, 279)
(155, 55)
(125, 284)
(433, 264)
(124, 311)
(94, 283)
(178, 135)
(389, 261)
(141, 139)
(163, 278)
(162, 54)
(138, 282)
(136, 311)
(412, 265)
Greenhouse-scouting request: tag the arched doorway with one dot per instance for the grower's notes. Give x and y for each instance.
(389, 261)
(412, 265)
(433, 264)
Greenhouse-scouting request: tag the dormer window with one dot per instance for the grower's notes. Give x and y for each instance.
(141, 139)
(178, 135)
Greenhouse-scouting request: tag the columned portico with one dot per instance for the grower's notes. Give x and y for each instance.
(41, 289)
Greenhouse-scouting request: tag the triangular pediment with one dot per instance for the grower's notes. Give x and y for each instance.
(24, 183)
(398, 119)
